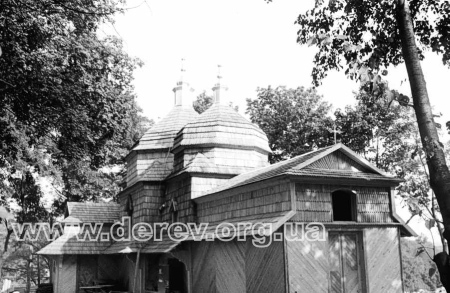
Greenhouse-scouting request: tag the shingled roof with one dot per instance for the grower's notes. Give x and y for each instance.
(201, 164)
(298, 166)
(69, 244)
(161, 135)
(89, 212)
(222, 125)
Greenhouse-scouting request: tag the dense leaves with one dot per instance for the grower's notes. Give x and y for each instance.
(365, 38)
(65, 93)
(67, 108)
(379, 129)
(416, 268)
(354, 34)
(204, 101)
(295, 120)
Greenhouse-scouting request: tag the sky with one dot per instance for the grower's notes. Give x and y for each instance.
(253, 41)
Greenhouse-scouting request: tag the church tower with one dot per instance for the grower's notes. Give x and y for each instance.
(151, 161)
(214, 147)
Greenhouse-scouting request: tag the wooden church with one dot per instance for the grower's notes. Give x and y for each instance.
(213, 168)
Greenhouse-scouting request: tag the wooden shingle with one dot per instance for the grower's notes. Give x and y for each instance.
(89, 212)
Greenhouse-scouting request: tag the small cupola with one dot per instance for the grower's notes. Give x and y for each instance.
(183, 91)
(219, 89)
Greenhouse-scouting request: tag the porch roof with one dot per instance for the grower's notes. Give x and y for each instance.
(90, 212)
(71, 245)
(153, 246)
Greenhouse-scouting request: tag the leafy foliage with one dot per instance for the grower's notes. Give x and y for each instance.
(204, 101)
(416, 268)
(355, 35)
(66, 99)
(295, 120)
(380, 129)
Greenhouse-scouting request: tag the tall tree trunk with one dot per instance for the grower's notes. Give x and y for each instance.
(439, 172)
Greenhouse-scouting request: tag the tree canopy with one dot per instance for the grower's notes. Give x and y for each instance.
(67, 107)
(364, 38)
(295, 120)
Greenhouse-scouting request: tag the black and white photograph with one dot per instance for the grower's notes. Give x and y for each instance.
(224, 146)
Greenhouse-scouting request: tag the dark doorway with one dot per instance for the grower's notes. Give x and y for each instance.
(344, 205)
(177, 276)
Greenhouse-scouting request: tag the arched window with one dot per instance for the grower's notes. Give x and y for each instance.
(344, 205)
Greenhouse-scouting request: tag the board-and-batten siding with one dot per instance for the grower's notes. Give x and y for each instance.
(313, 203)
(237, 267)
(382, 255)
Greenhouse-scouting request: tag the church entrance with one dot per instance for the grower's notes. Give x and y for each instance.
(165, 274)
(346, 262)
(177, 276)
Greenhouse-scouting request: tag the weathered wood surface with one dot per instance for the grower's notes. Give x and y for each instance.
(314, 203)
(338, 161)
(265, 268)
(383, 260)
(308, 266)
(203, 267)
(237, 267)
(230, 266)
(67, 281)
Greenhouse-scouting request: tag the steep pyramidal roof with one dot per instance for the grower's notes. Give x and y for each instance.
(162, 134)
(220, 125)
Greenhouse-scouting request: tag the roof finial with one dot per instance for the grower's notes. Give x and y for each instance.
(219, 89)
(219, 76)
(182, 69)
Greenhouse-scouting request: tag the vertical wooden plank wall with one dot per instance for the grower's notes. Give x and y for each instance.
(308, 265)
(237, 267)
(67, 281)
(230, 266)
(383, 260)
(265, 268)
(203, 267)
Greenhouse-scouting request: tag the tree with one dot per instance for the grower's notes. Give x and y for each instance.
(386, 134)
(204, 101)
(295, 120)
(67, 107)
(368, 36)
(416, 268)
(379, 129)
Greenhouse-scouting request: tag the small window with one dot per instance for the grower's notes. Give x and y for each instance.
(344, 205)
